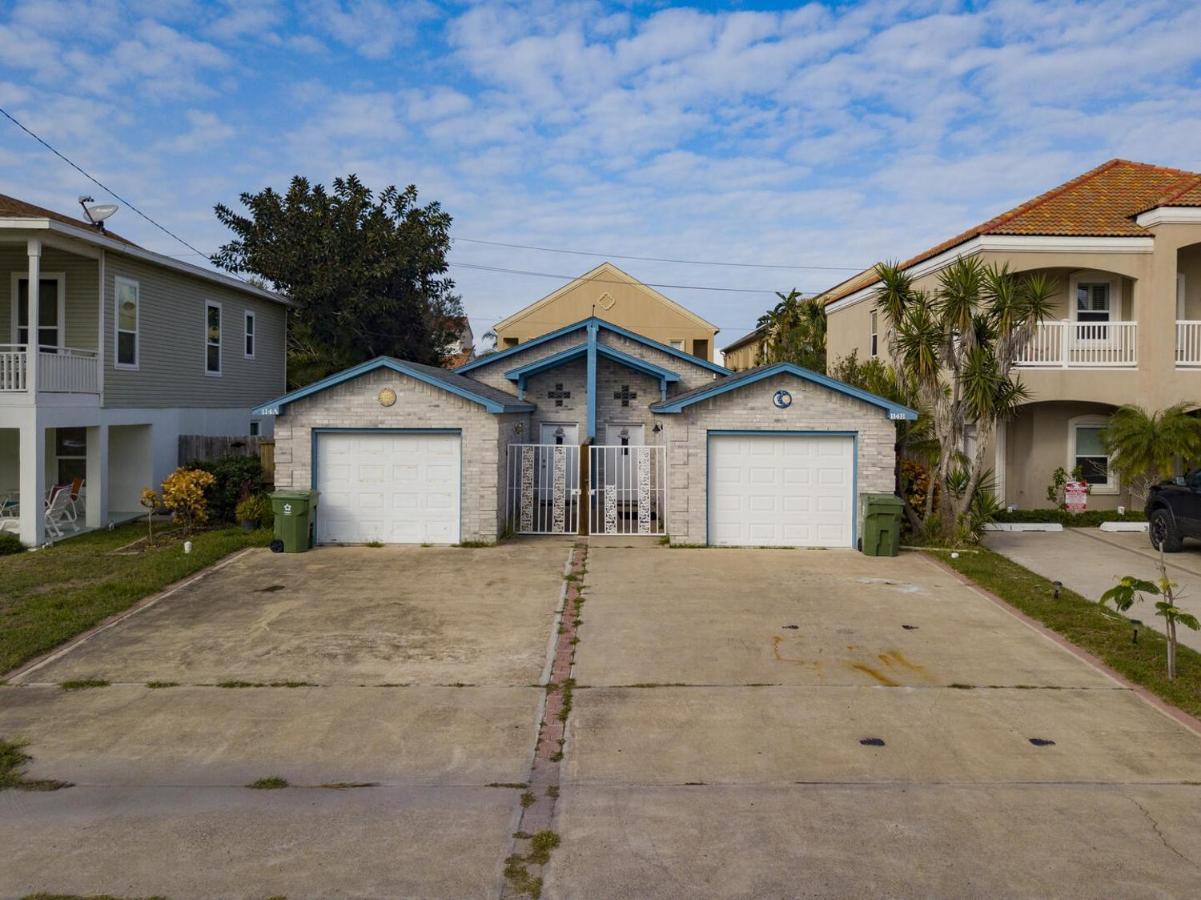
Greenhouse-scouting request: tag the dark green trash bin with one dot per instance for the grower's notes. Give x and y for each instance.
(882, 524)
(293, 520)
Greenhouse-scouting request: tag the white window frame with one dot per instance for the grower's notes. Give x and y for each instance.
(14, 299)
(676, 344)
(249, 331)
(1090, 276)
(873, 344)
(214, 304)
(1111, 485)
(118, 281)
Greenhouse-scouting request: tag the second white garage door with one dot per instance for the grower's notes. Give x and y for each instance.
(781, 490)
(389, 487)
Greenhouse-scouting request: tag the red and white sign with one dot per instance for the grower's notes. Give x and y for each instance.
(1075, 496)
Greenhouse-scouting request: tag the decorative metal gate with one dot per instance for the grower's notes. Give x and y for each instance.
(627, 490)
(544, 488)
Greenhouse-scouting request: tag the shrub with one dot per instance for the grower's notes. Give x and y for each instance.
(255, 509)
(1090, 519)
(9, 543)
(237, 477)
(184, 494)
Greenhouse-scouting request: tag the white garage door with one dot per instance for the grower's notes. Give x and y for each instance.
(395, 488)
(781, 490)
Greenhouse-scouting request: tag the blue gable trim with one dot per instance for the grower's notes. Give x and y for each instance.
(678, 404)
(557, 359)
(491, 403)
(592, 330)
(491, 358)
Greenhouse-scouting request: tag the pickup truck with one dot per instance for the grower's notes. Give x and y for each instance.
(1174, 512)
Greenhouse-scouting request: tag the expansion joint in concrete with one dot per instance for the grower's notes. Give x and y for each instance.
(535, 837)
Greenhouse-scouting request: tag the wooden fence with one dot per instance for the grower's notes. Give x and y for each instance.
(208, 446)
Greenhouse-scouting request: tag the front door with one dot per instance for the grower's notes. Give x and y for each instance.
(617, 459)
(49, 331)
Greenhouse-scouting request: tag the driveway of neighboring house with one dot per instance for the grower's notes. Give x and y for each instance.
(715, 747)
(1091, 561)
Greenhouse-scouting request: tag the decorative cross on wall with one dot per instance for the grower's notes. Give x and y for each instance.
(558, 394)
(625, 395)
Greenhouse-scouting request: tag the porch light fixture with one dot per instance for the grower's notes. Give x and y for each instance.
(97, 212)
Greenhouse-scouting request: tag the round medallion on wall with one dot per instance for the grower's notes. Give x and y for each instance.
(781, 399)
(606, 301)
(386, 397)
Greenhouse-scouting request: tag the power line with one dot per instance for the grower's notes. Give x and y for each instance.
(690, 262)
(678, 287)
(105, 188)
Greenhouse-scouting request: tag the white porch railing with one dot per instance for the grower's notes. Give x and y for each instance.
(1188, 343)
(12, 367)
(61, 370)
(1067, 344)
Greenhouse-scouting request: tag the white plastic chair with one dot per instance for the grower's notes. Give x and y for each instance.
(58, 513)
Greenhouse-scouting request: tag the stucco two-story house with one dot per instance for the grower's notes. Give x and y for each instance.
(112, 352)
(612, 296)
(1123, 242)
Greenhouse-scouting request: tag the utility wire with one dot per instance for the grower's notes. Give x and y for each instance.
(106, 188)
(690, 262)
(678, 287)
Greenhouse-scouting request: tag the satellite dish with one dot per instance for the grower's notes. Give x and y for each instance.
(97, 212)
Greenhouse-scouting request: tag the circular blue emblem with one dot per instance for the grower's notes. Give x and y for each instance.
(782, 399)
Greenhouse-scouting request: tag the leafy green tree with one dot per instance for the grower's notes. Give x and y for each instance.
(1144, 447)
(954, 349)
(796, 332)
(367, 272)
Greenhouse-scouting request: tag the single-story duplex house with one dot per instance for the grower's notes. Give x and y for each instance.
(588, 429)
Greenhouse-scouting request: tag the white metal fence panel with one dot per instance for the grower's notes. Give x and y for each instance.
(1188, 343)
(12, 367)
(544, 488)
(627, 490)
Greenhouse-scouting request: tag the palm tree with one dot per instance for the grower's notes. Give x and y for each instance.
(1144, 447)
(796, 332)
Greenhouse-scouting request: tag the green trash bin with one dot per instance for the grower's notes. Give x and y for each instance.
(293, 520)
(882, 524)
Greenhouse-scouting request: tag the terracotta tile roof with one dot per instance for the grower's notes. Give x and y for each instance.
(11, 207)
(1100, 203)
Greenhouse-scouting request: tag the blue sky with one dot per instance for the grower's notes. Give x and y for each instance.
(824, 135)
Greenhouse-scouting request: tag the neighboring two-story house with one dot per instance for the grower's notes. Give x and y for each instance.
(613, 296)
(1123, 242)
(112, 352)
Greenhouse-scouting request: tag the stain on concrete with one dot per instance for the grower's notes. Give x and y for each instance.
(875, 674)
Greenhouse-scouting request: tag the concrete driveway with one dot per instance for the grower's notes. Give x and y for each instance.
(717, 746)
(420, 668)
(1091, 561)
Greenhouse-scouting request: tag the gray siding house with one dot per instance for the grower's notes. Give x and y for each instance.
(131, 349)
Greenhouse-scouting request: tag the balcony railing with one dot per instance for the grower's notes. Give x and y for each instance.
(61, 370)
(1089, 345)
(1188, 343)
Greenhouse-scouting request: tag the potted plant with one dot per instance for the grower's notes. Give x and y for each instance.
(252, 511)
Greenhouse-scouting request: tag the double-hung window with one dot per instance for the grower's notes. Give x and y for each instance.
(1093, 310)
(128, 300)
(875, 336)
(212, 338)
(1090, 455)
(248, 340)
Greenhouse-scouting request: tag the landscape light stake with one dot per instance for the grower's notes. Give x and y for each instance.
(1135, 623)
(1058, 586)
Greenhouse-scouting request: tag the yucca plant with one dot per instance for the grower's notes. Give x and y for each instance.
(954, 349)
(1144, 448)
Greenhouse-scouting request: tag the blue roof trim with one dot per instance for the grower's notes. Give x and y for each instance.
(592, 332)
(491, 358)
(563, 356)
(491, 399)
(895, 411)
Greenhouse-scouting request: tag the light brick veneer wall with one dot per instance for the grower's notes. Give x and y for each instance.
(355, 404)
(814, 408)
(691, 374)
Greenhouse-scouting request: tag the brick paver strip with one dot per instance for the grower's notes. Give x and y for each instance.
(548, 752)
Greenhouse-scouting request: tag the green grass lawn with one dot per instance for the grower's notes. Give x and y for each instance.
(1089, 627)
(51, 595)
